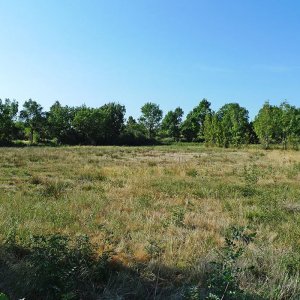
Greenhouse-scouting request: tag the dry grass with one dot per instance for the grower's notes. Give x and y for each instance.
(166, 205)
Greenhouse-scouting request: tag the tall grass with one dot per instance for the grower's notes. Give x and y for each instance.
(161, 213)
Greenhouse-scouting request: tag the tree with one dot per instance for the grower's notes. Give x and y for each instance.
(229, 126)
(212, 133)
(113, 121)
(8, 112)
(193, 126)
(59, 120)
(88, 123)
(101, 125)
(171, 123)
(234, 124)
(33, 117)
(151, 117)
(266, 124)
(133, 133)
(289, 124)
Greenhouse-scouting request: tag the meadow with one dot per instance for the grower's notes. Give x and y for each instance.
(163, 222)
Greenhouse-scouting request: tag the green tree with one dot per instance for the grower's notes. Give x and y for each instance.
(8, 112)
(289, 124)
(229, 126)
(212, 133)
(267, 124)
(171, 123)
(113, 121)
(193, 126)
(234, 124)
(33, 117)
(133, 133)
(59, 120)
(88, 123)
(151, 117)
(101, 125)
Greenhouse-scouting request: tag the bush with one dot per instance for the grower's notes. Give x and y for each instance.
(55, 267)
(223, 278)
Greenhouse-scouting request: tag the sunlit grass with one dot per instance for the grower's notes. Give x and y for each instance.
(167, 205)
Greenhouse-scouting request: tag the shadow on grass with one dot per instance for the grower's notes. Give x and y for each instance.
(56, 267)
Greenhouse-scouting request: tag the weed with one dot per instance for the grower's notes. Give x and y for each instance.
(153, 249)
(55, 267)
(3, 296)
(152, 163)
(54, 188)
(223, 279)
(91, 175)
(144, 201)
(251, 177)
(192, 173)
(178, 216)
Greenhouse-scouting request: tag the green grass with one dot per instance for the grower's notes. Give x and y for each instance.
(155, 216)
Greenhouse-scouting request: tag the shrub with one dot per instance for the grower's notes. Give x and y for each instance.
(223, 278)
(55, 267)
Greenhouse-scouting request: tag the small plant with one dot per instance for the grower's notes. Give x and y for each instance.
(144, 201)
(192, 173)
(152, 163)
(54, 189)
(91, 175)
(154, 249)
(60, 268)
(3, 296)
(36, 180)
(223, 280)
(192, 293)
(251, 176)
(178, 216)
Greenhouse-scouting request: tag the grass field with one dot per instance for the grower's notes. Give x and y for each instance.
(156, 217)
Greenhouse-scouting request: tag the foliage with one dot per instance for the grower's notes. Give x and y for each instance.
(228, 127)
(266, 124)
(289, 124)
(223, 279)
(8, 112)
(59, 119)
(3, 296)
(105, 125)
(56, 267)
(193, 127)
(33, 117)
(171, 123)
(151, 117)
(99, 125)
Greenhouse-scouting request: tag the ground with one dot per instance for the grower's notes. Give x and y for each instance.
(165, 205)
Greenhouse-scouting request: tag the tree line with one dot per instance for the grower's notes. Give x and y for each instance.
(107, 125)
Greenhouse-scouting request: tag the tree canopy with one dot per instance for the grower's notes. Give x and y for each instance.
(227, 127)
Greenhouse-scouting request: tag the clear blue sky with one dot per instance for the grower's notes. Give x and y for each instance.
(171, 52)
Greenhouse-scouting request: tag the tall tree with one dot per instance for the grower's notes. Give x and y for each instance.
(193, 126)
(289, 124)
(133, 133)
(266, 124)
(151, 117)
(8, 112)
(33, 117)
(171, 123)
(234, 123)
(101, 125)
(59, 119)
(213, 133)
(113, 121)
(88, 123)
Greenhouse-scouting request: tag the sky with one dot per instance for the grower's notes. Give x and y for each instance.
(170, 52)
